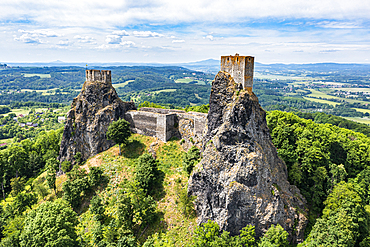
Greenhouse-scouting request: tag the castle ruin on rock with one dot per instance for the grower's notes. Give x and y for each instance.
(240, 68)
(241, 180)
(91, 112)
(86, 123)
(167, 123)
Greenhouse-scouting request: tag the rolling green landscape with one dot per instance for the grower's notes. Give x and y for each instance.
(319, 122)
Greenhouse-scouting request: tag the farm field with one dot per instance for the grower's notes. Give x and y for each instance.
(164, 90)
(24, 111)
(319, 94)
(355, 89)
(123, 84)
(322, 101)
(187, 80)
(45, 91)
(41, 75)
(281, 77)
(362, 110)
(9, 140)
(359, 120)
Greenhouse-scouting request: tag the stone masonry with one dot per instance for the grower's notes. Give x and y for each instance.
(167, 123)
(240, 68)
(190, 126)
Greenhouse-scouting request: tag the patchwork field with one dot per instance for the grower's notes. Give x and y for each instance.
(282, 77)
(359, 120)
(41, 75)
(45, 91)
(322, 101)
(164, 90)
(318, 94)
(24, 111)
(123, 84)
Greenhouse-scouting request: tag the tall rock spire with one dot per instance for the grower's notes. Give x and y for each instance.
(90, 115)
(241, 180)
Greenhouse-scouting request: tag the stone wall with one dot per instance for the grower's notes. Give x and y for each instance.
(98, 75)
(167, 123)
(240, 68)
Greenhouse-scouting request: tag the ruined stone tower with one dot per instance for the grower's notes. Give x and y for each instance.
(98, 75)
(239, 67)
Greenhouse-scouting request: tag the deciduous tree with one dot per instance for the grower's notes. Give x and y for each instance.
(119, 132)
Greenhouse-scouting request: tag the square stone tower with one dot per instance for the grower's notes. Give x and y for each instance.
(98, 75)
(240, 68)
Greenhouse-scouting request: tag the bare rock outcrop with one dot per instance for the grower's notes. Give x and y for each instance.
(241, 180)
(88, 119)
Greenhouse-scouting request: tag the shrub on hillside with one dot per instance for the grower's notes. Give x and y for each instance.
(147, 173)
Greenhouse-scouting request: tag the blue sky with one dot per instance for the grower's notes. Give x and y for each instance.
(166, 31)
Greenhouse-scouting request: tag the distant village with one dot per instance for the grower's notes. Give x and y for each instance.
(38, 115)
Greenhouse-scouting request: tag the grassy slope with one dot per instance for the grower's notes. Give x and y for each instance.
(171, 222)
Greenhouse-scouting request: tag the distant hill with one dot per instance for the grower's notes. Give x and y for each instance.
(213, 66)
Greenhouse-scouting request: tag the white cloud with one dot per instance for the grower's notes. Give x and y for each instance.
(127, 43)
(113, 39)
(338, 24)
(210, 37)
(251, 27)
(146, 34)
(121, 33)
(27, 38)
(93, 13)
(64, 42)
(84, 39)
(116, 37)
(122, 44)
(41, 33)
(34, 36)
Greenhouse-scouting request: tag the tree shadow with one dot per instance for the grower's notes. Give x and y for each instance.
(133, 149)
(158, 192)
(158, 226)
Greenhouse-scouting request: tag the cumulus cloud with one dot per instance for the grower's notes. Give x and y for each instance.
(84, 39)
(210, 37)
(113, 39)
(122, 44)
(127, 43)
(146, 34)
(116, 37)
(117, 13)
(338, 24)
(178, 41)
(26, 38)
(34, 36)
(41, 33)
(120, 33)
(64, 43)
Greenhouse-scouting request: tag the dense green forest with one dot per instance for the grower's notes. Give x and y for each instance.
(136, 200)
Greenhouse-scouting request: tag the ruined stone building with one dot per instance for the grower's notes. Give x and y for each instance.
(167, 123)
(98, 105)
(240, 68)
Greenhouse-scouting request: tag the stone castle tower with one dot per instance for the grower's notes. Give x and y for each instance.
(240, 68)
(98, 75)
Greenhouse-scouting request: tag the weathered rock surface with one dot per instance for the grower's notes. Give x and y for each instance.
(241, 180)
(87, 122)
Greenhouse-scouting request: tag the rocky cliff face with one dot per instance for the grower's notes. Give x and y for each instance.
(241, 180)
(87, 122)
